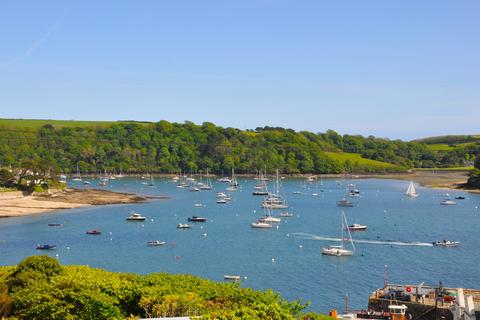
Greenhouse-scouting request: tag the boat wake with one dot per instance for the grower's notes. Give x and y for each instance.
(309, 236)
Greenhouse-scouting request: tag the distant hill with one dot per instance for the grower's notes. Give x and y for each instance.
(450, 139)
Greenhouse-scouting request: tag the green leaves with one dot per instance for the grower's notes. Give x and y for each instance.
(39, 288)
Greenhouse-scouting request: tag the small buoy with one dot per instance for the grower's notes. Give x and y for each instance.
(143, 225)
(56, 255)
(288, 234)
(273, 259)
(385, 211)
(110, 233)
(201, 227)
(236, 214)
(68, 248)
(254, 211)
(300, 246)
(152, 220)
(205, 234)
(277, 227)
(245, 277)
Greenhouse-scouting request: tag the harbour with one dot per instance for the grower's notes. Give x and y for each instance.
(286, 258)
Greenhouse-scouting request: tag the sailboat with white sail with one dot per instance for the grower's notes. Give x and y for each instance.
(275, 200)
(341, 251)
(78, 176)
(233, 182)
(411, 192)
(208, 184)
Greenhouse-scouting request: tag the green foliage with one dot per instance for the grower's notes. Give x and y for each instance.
(39, 288)
(39, 149)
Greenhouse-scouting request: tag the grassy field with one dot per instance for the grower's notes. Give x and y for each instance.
(357, 158)
(445, 169)
(37, 123)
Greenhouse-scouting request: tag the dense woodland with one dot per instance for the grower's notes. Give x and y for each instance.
(40, 288)
(165, 147)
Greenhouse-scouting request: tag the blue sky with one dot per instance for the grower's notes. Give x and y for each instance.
(398, 69)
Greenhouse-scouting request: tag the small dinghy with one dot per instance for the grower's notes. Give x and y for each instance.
(446, 243)
(55, 225)
(183, 226)
(231, 277)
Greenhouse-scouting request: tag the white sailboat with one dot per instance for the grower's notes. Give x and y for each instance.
(208, 184)
(411, 192)
(340, 251)
(78, 177)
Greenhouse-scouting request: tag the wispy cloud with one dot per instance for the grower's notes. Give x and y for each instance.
(35, 45)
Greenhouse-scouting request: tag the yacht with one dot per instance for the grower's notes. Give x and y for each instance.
(197, 219)
(340, 250)
(357, 227)
(46, 247)
(411, 192)
(261, 225)
(184, 226)
(136, 217)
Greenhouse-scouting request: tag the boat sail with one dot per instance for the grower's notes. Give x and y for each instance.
(411, 192)
(340, 250)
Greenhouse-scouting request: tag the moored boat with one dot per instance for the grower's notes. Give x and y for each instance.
(344, 203)
(183, 226)
(136, 217)
(448, 202)
(261, 225)
(55, 225)
(94, 232)
(231, 277)
(357, 227)
(285, 214)
(197, 219)
(46, 246)
(155, 243)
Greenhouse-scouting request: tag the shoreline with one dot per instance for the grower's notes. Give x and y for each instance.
(16, 204)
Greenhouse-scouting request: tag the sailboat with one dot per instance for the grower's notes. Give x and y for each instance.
(261, 187)
(411, 192)
(233, 182)
(208, 184)
(340, 251)
(78, 177)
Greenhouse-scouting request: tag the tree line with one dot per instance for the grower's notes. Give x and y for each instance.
(165, 147)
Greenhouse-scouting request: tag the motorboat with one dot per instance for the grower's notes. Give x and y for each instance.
(55, 225)
(344, 203)
(155, 243)
(285, 214)
(357, 227)
(446, 243)
(46, 246)
(231, 277)
(86, 183)
(460, 198)
(297, 192)
(184, 226)
(193, 189)
(197, 219)
(261, 225)
(448, 202)
(222, 201)
(136, 217)
(198, 205)
(94, 232)
(221, 195)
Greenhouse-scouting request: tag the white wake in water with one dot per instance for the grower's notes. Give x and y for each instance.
(310, 236)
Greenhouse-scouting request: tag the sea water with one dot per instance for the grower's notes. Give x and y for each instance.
(287, 259)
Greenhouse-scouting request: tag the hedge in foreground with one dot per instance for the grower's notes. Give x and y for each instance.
(40, 288)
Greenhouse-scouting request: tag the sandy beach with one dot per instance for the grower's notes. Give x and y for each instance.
(14, 204)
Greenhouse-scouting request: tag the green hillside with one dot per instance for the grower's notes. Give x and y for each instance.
(38, 123)
(356, 159)
(449, 140)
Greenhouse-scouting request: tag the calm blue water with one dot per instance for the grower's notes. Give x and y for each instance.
(226, 244)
